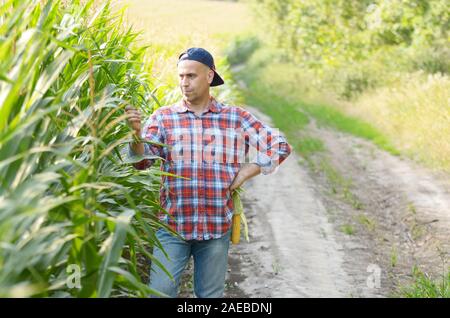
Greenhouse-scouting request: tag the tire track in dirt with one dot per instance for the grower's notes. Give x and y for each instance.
(293, 251)
(408, 205)
(296, 246)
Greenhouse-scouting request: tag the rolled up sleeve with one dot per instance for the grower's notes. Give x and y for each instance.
(271, 147)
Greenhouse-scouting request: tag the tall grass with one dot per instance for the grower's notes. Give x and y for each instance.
(68, 196)
(414, 113)
(423, 286)
(367, 64)
(278, 88)
(408, 116)
(171, 23)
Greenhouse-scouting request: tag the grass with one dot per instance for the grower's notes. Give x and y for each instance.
(307, 145)
(285, 116)
(331, 117)
(348, 229)
(418, 231)
(202, 23)
(367, 222)
(394, 256)
(414, 114)
(277, 87)
(409, 117)
(412, 208)
(340, 185)
(402, 91)
(423, 286)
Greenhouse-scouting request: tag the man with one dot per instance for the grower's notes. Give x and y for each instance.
(206, 140)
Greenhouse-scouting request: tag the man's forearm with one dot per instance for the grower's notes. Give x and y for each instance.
(247, 171)
(250, 170)
(137, 147)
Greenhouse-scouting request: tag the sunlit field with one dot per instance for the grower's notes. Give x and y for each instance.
(208, 23)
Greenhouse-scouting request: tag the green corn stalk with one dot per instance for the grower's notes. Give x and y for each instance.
(66, 187)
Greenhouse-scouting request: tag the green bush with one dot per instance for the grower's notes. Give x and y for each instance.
(432, 60)
(241, 49)
(354, 84)
(332, 36)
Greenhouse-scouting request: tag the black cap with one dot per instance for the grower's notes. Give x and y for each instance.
(201, 55)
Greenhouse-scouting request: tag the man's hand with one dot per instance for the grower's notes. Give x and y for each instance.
(134, 120)
(246, 172)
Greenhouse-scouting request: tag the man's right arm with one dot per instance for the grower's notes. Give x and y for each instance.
(137, 147)
(151, 132)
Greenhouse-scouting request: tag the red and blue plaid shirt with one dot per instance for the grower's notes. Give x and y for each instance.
(207, 151)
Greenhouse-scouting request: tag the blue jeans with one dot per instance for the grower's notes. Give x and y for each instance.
(210, 264)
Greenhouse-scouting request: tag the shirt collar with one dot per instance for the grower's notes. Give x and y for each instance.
(181, 107)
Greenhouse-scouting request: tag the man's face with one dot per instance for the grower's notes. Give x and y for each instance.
(194, 78)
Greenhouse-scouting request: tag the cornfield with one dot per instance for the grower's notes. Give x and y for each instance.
(68, 194)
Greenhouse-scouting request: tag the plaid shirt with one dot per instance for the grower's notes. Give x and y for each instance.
(207, 151)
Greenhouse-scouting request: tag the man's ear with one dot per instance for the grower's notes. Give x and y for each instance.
(210, 76)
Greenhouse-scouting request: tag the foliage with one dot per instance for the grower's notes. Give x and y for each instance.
(424, 286)
(67, 194)
(318, 32)
(357, 45)
(241, 48)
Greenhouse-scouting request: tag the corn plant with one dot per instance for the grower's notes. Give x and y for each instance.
(69, 199)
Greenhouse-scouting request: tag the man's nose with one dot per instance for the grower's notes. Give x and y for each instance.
(184, 82)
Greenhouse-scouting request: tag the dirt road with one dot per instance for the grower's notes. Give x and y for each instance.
(359, 236)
